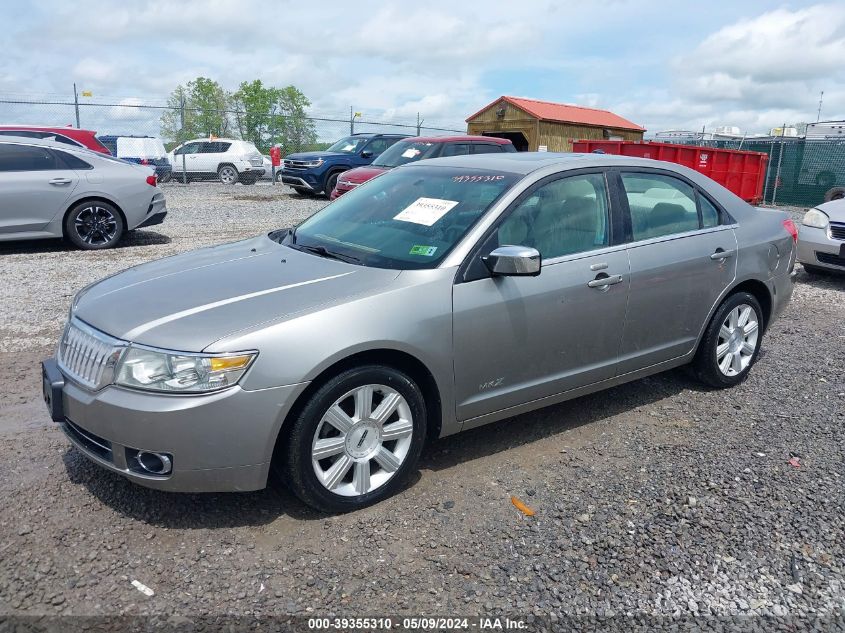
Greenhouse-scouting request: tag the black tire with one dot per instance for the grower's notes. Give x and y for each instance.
(834, 193)
(331, 182)
(94, 225)
(227, 174)
(815, 270)
(279, 177)
(297, 467)
(165, 177)
(302, 191)
(705, 364)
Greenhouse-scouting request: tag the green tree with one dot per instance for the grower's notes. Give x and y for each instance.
(205, 111)
(295, 131)
(254, 105)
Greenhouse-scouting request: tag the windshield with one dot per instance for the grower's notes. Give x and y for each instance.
(405, 152)
(349, 145)
(406, 219)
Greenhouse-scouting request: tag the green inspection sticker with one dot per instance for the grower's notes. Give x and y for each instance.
(426, 251)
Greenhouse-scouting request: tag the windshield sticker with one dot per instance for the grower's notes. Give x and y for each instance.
(425, 251)
(477, 178)
(411, 153)
(347, 147)
(426, 211)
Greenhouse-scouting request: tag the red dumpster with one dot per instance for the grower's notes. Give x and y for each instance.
(743, 173)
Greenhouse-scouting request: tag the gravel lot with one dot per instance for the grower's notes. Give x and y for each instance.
(656, 498)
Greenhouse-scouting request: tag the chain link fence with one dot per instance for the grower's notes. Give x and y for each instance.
(801, 172)
(130, 117)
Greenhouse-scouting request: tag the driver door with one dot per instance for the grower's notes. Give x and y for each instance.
(519, 339)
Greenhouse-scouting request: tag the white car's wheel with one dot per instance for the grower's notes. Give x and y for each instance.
(227, 174)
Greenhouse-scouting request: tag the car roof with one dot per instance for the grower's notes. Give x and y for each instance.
(458, 138)
(391, 135)
(28, 140)
(59, 129)
(114, 136)
(527, 162)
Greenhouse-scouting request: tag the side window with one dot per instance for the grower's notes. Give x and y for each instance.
(660, 205)
(709, 213)
(456, 149)
(70, 161)
(26, 158)
(206, 148)
(220, 147)
(487, 148)
(377, 146)
(189, 148)
(561, 217)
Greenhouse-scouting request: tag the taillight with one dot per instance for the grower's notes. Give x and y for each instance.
(144, 161)
(152, 181)
(790, 227)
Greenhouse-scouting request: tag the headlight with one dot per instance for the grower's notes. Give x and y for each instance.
(815, 218)
(313, 163)
(142, 368)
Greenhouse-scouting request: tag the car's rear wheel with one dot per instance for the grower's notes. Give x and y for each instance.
(731, 343)
(331, 182)
(356, 440)
(94, 225)
(227, 174)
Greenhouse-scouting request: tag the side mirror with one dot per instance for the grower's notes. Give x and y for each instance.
(514, 261)
(366, 154)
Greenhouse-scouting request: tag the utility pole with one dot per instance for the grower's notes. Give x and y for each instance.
(819, 113)
(351, 120)
(419, 123)
(182, 130)
(76, 104)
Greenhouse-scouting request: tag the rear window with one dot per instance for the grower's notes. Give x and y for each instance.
(406, 152)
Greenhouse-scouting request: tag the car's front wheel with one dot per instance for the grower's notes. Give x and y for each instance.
(731, 342)
(331, 183)
(356, 440)
(227, 174)
(94, 225)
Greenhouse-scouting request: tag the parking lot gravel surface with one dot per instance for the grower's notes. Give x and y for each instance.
(656, 498)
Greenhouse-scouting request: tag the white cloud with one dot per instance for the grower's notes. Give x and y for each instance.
(128, 110)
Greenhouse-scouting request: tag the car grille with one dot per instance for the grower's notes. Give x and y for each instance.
(346, 183)
(837, 230)
(294, 164)
(829, 258)
(88, 356)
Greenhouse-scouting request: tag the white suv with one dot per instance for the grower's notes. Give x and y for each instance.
(226, 159)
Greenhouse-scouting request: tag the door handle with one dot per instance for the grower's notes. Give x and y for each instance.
(60, 181)
(721, 254)
(603, 282)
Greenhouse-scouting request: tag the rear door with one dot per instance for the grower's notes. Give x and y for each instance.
(683, 257)
(519, 339)
(35, 186)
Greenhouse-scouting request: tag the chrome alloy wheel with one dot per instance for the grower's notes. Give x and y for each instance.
(228, 175)
(95, 225)
(737, 340)
(362, 440)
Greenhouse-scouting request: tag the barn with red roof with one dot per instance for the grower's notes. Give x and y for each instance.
(534, 125)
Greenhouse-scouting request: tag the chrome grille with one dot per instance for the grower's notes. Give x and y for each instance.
(88, 356)
(837, 230)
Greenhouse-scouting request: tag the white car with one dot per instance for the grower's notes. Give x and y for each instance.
(225, 159)
(49, 189)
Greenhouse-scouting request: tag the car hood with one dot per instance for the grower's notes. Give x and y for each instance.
(313, 155)
(835, 209)
(189, 301)
(362, 174)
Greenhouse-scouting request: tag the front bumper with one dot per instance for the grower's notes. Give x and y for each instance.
(219, 442)
(295, 180)
(817, 248)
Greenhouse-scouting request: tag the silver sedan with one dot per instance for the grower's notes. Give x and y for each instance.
(821, 242)
(441, 296)
(50, 190)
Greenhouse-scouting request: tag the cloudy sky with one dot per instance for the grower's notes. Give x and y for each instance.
(662, 64)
